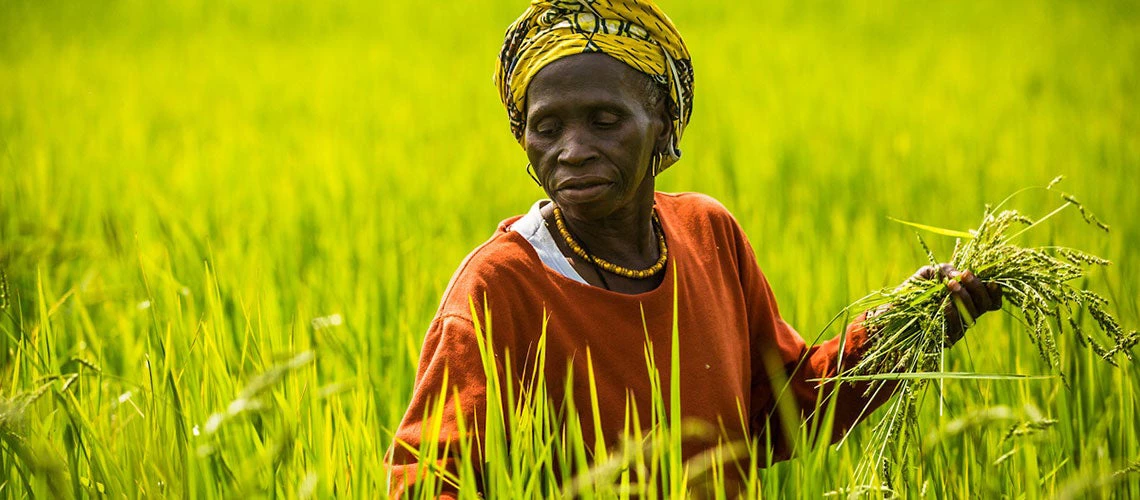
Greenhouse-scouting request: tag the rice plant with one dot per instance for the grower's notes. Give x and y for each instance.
(193, 192)
(528, 445)
(909, 328)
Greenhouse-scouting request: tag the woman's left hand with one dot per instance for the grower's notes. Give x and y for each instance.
(970, 298)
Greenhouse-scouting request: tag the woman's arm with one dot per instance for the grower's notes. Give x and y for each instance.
(786, 391)
(450, 365)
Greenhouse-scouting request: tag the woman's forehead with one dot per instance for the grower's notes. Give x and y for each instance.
(585, 72)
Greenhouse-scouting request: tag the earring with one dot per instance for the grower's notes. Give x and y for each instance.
(655, 163)
(530, 172)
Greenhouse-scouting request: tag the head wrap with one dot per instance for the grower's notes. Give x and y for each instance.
(635, 32)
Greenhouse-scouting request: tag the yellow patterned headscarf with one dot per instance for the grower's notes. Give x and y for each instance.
(635, 32)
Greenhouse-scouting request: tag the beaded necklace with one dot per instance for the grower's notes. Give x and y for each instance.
(638, 274)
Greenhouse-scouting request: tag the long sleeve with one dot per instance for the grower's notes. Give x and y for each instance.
(783, 367)
(449, 364)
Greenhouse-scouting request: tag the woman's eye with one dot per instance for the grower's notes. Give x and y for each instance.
(607, 120)
(546, 128)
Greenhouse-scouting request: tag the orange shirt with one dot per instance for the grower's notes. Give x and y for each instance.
(727, 319)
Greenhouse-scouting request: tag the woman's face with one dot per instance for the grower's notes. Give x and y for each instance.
(591, 135)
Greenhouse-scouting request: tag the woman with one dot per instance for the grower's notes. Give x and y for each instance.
(598, 93)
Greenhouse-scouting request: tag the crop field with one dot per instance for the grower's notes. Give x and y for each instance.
(225, 226)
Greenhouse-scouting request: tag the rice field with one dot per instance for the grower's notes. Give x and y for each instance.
(225, 226)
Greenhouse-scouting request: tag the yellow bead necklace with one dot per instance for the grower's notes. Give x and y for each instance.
(637, 274)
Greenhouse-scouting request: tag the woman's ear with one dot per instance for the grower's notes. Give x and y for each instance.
(664, 136)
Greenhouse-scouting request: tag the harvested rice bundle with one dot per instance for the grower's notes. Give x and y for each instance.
(909, 327)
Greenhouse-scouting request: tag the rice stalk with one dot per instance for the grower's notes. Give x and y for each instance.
(5, 299)
(908, 328)
(528, 444)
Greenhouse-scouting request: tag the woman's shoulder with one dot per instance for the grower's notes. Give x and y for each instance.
(497, 264)
(696, 207)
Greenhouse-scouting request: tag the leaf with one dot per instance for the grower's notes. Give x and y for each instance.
(936, 230)
(932, 376)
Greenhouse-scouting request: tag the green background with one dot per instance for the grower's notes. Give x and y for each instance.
(186, 186)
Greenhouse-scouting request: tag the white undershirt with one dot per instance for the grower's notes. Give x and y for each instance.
(533, 228)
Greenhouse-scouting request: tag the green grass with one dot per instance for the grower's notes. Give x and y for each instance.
(192, 192)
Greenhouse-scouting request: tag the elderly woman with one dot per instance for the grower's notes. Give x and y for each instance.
(599, 93)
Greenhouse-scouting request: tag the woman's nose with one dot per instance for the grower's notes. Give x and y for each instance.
(577, 147)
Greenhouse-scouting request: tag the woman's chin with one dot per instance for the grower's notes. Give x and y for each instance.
(584, 209)
(585, 201)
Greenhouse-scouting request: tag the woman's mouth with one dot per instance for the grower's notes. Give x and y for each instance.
(584, 188)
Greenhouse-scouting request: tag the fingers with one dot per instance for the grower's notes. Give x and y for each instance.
(978, 292)
(947, 271)
(925, 273)
(970, 297)
(995, 294)
(954, 328)
(959, 294)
